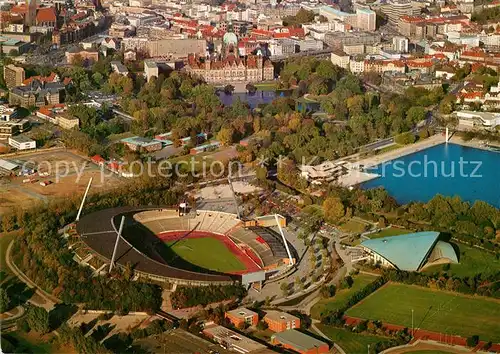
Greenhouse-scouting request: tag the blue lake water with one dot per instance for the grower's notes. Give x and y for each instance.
(253, 100)
(447, 169)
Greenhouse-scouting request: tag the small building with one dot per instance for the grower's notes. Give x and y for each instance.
(7, 167)
(278, 321)
(234, 341)
(98, 160)
(205, 147)
(119, 68)
(22, 142)
(242, 316)
(299, 342)
(136, 143)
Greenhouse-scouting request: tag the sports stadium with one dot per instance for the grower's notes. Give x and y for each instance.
(199, 248)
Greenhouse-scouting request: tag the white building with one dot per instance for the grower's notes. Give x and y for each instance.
(400, 44)
(21, 142)
(357, 66)
(326, 172)
(340, 59)
(482, 120)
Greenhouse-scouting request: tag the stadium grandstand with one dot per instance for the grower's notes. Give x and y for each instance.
(151, 238)
(409, 252)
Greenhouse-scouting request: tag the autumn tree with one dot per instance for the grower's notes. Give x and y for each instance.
(333, 209)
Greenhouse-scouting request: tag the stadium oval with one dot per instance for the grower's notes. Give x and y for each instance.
(266, 255)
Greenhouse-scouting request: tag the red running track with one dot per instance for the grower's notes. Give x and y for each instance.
(426, 335)
(247, 257)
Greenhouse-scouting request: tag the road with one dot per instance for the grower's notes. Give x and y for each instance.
(50, 300)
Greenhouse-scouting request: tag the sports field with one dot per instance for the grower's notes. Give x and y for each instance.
(433, 310)
(341, 296)
(208, 253)
(349, 341)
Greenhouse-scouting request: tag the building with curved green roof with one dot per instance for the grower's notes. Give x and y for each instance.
(410, 252)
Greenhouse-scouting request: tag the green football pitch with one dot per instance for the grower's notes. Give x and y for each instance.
(433, 310)
(195, 253)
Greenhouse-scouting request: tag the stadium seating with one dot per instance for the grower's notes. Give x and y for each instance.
(272, 239)
(261, 249)
(265, 243)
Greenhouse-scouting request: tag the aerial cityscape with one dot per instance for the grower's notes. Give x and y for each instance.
(241, 176)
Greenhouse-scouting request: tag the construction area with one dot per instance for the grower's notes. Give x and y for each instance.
(41, 176)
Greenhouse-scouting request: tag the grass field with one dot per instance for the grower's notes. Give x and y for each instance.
(433, 310)
(471, 262)
(208, 253)
(391, 231)
(349, 341)
(341, 297)
(353, 226)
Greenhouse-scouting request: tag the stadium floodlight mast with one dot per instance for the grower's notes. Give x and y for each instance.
(83, 200)
(234, 196)
(116, 244)
(284, 239)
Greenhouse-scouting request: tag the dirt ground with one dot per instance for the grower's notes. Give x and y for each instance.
(68, 174)
(118, 323)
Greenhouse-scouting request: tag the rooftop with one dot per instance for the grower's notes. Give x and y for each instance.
(298, 340)
(406, 252)
(280, 316)
(242, 312)
(21, 139)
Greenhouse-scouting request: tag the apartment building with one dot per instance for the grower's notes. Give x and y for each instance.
(13, 75)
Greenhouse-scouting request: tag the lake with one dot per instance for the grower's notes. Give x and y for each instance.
(253, 99)
(447, 169)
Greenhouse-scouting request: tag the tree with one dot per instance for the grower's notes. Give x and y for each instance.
(473, 341)
(416, 114)
(262, 325)
(284, 288)
(225, 136)
(347, 282)
(405, 138)
(38, 319)
(333, 209)
(4, 300)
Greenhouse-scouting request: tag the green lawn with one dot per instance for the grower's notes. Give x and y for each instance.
(353, 226)
(341, 297)
(391, 231)
(471, 262)
(267, 86)
(208, 253)
(349, 341)
(433, 310)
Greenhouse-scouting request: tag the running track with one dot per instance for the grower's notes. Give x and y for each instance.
(247, 256)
